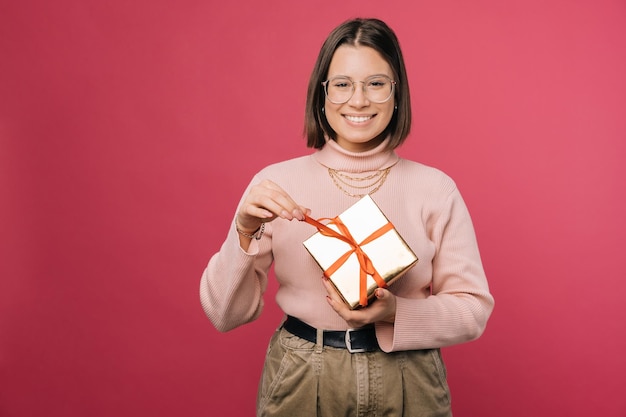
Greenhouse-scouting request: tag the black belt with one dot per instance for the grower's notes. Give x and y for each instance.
(354, 340)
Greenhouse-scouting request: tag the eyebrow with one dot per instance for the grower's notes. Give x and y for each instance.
(369, 76)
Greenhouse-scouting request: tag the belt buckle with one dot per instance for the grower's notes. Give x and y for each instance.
(349, 343)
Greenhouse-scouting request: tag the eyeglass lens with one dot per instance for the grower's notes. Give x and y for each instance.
(377, 89)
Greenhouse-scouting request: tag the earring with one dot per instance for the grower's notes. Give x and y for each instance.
(323, 109)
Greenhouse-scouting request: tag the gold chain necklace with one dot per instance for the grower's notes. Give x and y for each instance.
(343, 181)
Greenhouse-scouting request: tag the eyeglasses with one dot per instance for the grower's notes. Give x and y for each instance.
(377, 89)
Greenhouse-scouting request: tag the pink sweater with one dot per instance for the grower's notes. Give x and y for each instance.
(443, 300)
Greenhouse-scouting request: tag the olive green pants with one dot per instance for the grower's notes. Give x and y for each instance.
(302, 379)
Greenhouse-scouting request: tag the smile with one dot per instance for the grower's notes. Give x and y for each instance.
(358, 119)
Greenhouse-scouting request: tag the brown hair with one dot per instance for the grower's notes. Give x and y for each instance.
(372, 33)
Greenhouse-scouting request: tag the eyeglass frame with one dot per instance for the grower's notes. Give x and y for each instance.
(393, 87)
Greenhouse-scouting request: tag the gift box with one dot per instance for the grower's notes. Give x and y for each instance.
(359, 251)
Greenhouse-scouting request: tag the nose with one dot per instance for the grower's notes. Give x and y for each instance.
(359, 98)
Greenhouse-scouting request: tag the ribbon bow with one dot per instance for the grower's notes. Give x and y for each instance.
(365, 263)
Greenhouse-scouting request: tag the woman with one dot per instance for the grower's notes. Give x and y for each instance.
(358, 111)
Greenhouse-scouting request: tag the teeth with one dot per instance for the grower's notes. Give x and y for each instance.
(358, 119)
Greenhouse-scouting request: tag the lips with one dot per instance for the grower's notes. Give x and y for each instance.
(358, 119)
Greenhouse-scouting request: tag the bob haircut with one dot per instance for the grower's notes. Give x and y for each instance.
(374, 34)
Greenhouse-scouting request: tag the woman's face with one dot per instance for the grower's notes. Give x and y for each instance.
(359, 123)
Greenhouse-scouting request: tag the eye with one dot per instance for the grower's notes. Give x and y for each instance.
(342, 83)
(378, 82)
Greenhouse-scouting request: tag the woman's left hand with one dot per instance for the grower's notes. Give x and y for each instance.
(383, 309)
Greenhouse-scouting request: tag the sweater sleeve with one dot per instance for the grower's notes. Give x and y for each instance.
(233, 283)
(460, 303)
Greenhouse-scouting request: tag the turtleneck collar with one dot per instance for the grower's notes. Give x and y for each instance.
(334, 156)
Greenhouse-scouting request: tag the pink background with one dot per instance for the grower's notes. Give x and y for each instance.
(128, 130)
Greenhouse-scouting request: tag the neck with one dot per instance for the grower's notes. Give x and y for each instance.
(332, 155)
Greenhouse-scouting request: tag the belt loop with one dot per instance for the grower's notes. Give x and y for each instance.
(319, 342)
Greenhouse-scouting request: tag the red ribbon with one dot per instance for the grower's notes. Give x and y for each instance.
(365, 263)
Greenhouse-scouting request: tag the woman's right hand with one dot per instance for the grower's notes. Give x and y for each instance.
(265, 202)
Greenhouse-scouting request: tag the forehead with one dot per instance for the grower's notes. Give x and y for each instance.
(357, 62)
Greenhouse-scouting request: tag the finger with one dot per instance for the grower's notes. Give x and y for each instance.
(273, 198)
(305, 211)
(387, 303)
(289, 205)
(336, 302)
(333, 296)
(330, 289)
(250, 217)
(260, 205)
(254, 210)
